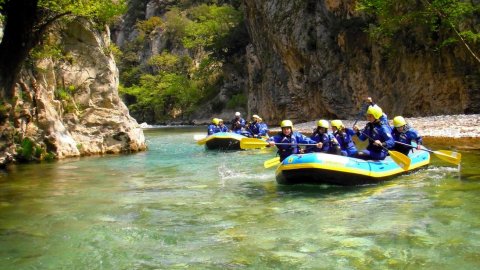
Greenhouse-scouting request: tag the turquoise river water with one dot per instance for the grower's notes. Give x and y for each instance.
(178, 206)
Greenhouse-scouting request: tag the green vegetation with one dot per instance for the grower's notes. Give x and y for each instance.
(238, 100)
(100, 11)
(168, 84)
(425, 24)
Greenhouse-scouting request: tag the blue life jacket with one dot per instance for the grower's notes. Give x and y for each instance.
(258, 129)
(377, 131)
(223, 128)
(325, 138)
(295, 138)
(346, 142)
(407, 136)
(238, 124)
(212, 128)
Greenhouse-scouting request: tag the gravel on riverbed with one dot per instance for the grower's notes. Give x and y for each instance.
(446, 126)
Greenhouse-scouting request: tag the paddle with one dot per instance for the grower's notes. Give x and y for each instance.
(362, 111)
(271, 162)
(201, 141)
(402, 160)
(446, 155)
(252, 143)
(198, 137)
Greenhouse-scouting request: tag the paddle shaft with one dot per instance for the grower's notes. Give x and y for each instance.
(411, 146)
(300, 144)
(363, 109)
(448, 156)
(374, 140)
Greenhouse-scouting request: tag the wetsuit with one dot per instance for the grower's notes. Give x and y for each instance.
(407, 136)
(294, 138)
(376, 131)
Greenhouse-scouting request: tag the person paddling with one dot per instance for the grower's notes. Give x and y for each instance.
(343, 136)
(221, 126)
(384, 118)
(321, 136)
(258, 128)
(290, 137)
(378, 134)
(213, 127)
(403, 133)
(238, 123)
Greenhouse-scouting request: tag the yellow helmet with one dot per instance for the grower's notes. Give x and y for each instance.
(375, 111)
(399, 121)
(323, 123)
(337, 123)
(215, 121)
(286, 123)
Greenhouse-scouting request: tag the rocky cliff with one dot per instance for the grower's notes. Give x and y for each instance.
(69, 106)
(311, 59)
(233, 71)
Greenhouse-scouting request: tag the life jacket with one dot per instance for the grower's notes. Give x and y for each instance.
(345, 141)
(294, 138)
(212, 128)
(407, 136)
(223, 128)
(378, 131)
(238, 124)
(325, 138)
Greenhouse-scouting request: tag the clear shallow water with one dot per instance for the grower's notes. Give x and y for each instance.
(178, 206)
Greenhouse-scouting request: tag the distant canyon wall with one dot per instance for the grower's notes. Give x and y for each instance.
(312, 59)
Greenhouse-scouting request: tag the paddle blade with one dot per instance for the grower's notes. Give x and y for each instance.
(402, 160)
(202, 141)
(252, 143)
(271, 162)
(198, 137)
(448, 156)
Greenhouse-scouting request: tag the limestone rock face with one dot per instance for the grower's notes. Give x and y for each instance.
(312, 59)
(70, 106)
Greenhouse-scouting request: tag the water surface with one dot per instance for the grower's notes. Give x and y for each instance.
(178, 206)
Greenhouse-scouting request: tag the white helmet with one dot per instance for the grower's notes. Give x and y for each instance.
(237, 114)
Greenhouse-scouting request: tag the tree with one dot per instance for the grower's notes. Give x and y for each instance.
(26, 21)
(438, 22)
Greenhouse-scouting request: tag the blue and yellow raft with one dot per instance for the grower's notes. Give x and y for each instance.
(320, 168)
(223, 141)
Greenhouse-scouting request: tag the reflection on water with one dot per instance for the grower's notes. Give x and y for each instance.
(178, 206)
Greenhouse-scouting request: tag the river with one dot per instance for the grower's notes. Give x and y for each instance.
(178, 206)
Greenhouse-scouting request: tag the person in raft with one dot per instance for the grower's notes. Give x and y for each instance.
(343, 136)
(258, 128)
(213, 127)
(290, 137)
(221, 126)
(384, 117)
(238, 123)
(378, 134)
(403, 133)
(328, 143)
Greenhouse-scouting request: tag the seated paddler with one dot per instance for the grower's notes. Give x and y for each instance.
(221, 126)
(378, 134)
(404, 133)
(287, 140)
(344, 139)
(238, 124)
(213, 127)
(257, 127)
(326, 140)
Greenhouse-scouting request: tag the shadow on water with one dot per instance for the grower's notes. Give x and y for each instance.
(258, 190)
